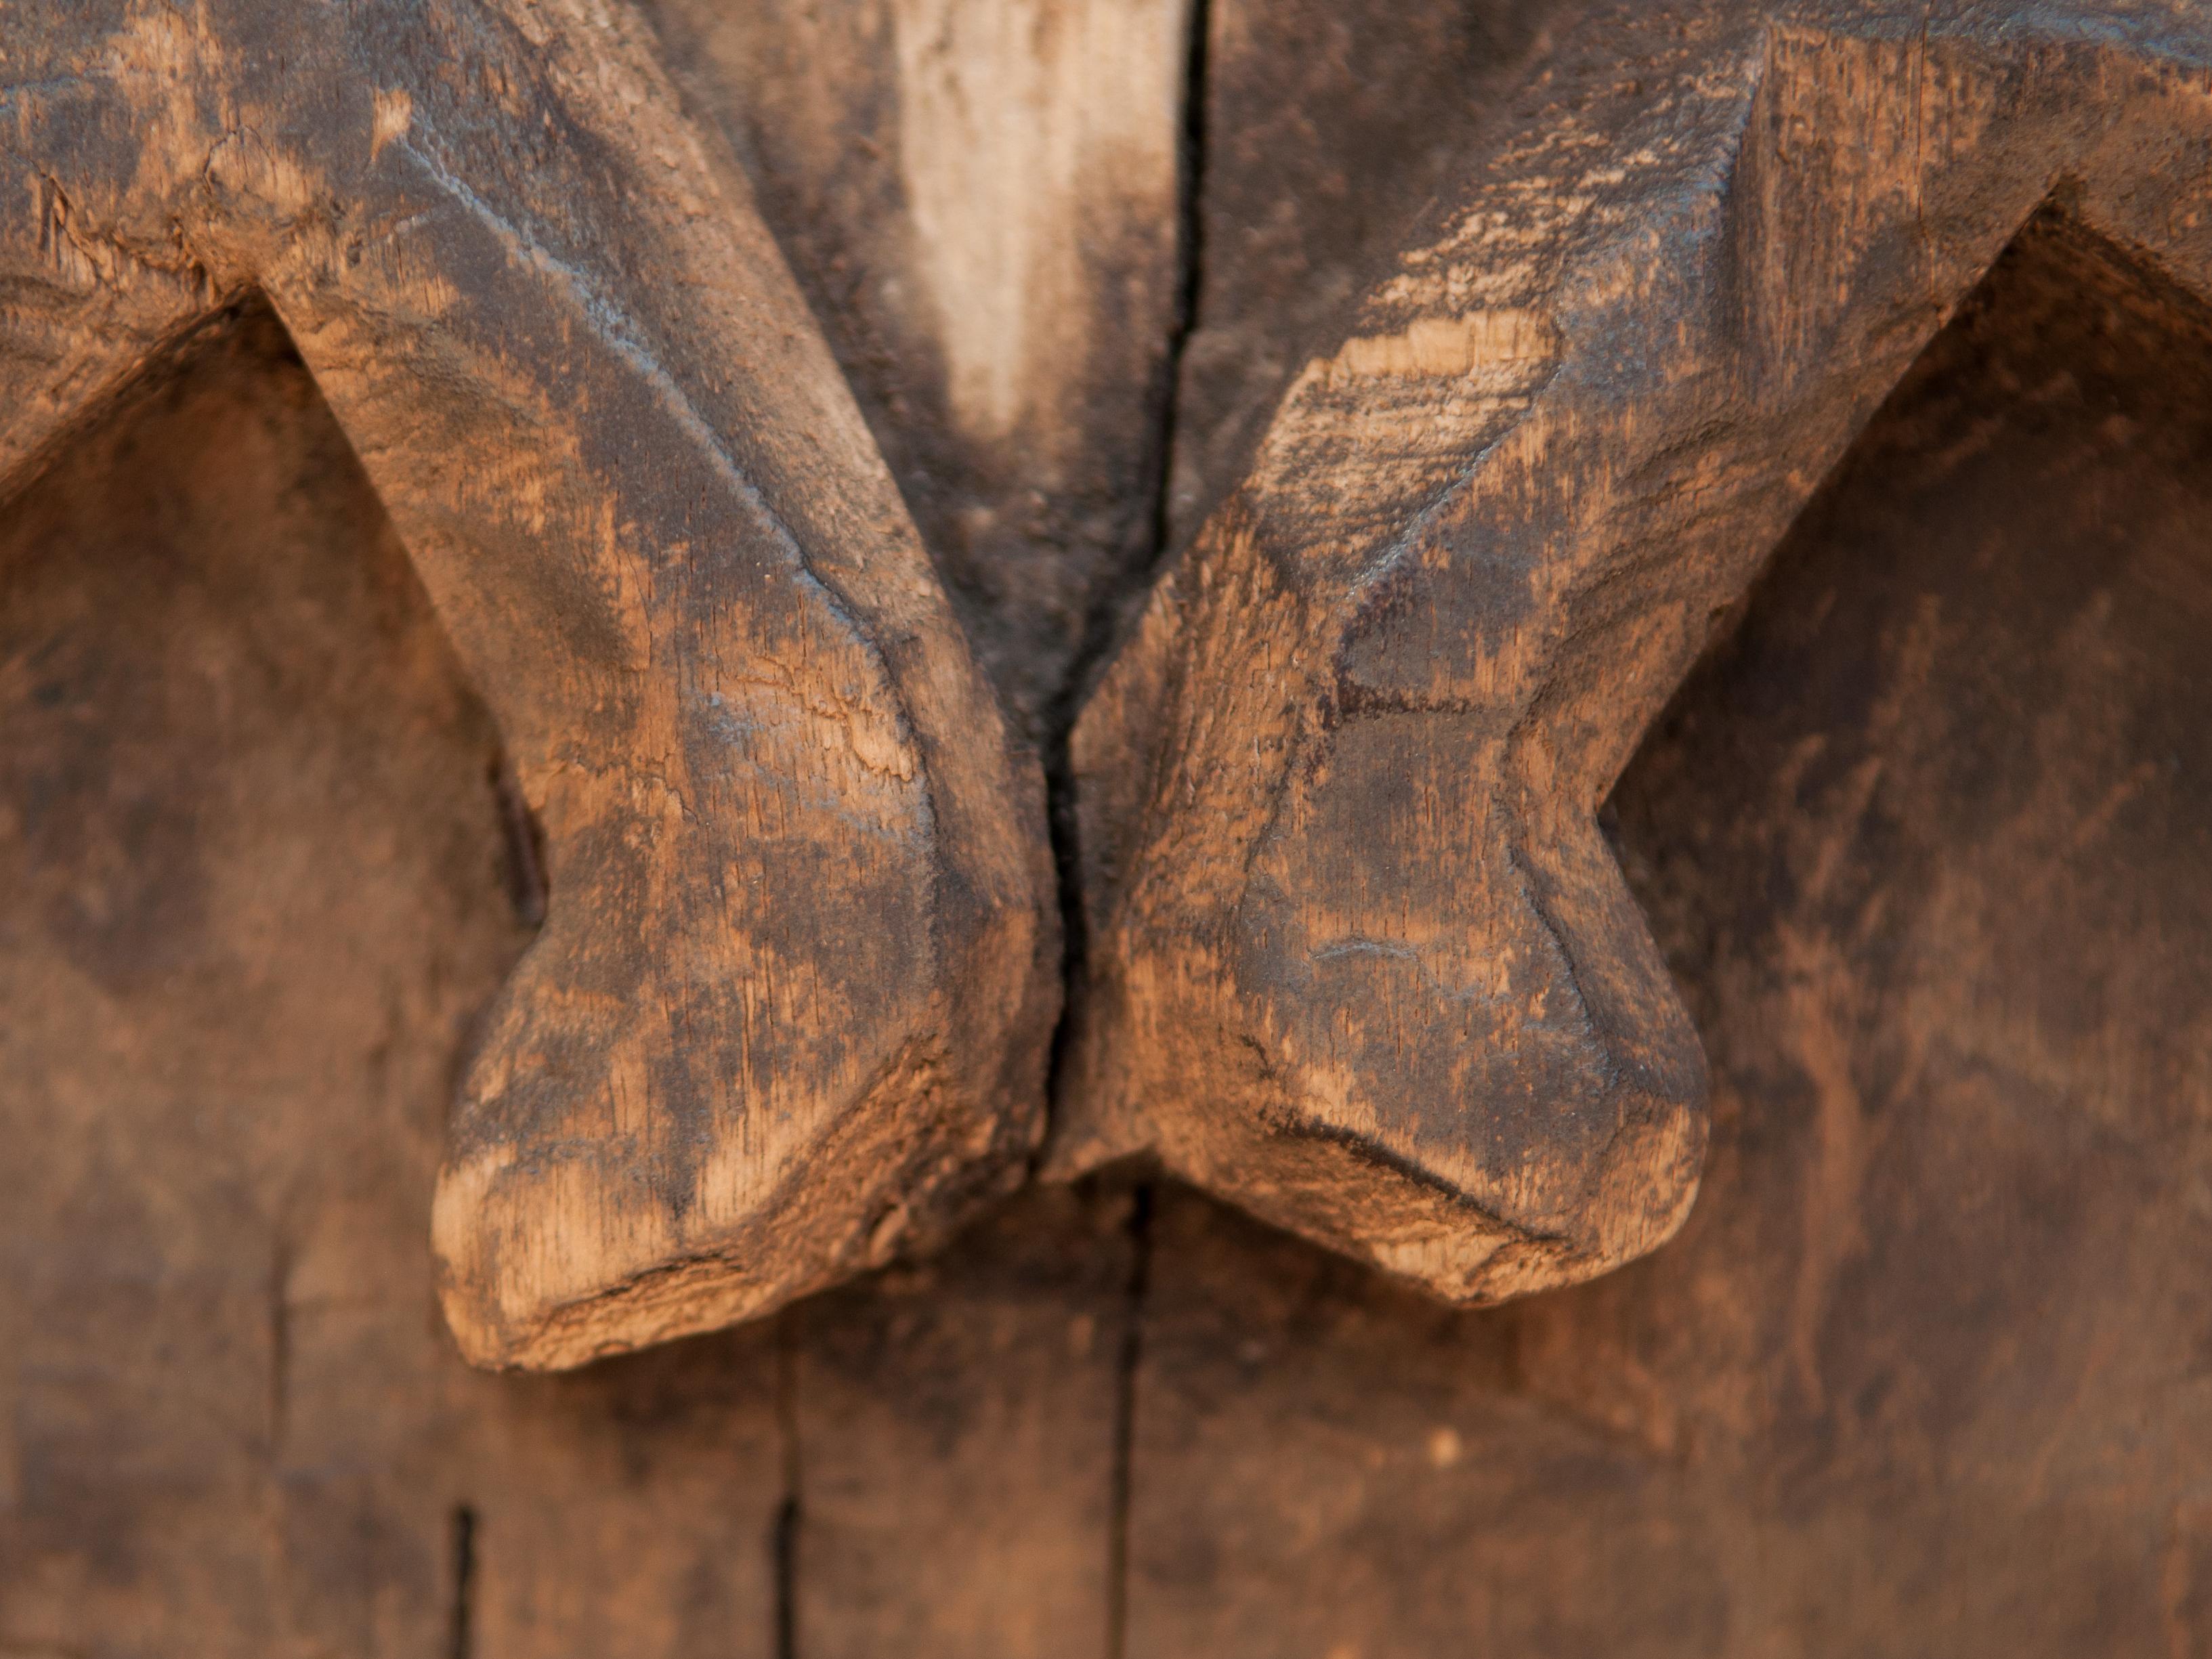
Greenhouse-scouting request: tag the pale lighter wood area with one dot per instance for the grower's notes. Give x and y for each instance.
(980, 198)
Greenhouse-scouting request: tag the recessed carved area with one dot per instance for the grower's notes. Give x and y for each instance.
(255, 885)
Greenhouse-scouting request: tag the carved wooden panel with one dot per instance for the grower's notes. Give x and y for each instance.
(1076, 707)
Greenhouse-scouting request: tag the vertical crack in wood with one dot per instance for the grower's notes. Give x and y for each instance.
(280, 1348)
(460, 1625)
(790, 1513)
(1190, 252)
(1116, 601)
(1124, 1422)
(1102, 632)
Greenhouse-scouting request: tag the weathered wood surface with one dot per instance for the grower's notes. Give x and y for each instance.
(980, 199)
(789, 1006)
(981, 202)
(958, 1431)
(1922, 849)
(1927, 1372)
(265, 879)
(1327, 129)
(1358, 958)
(259, 881)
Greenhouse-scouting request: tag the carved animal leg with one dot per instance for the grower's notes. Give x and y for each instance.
(1359, 957)
(789, 1006)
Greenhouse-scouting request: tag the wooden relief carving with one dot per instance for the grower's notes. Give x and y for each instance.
(788, 1008)
(1359, 957)
(847, 669)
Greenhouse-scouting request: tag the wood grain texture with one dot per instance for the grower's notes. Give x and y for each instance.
(1923, 840)
(260, 884)
(1328, 130)
(957, 1426)
(789, 1008)
(1359, 959)
(980, 199)
(1918, 844)
(265, 877)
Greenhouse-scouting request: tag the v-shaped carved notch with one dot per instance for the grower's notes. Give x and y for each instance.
(789, 1007)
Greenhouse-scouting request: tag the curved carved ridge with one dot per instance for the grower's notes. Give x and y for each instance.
(1359, 959)
(789, 1008)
